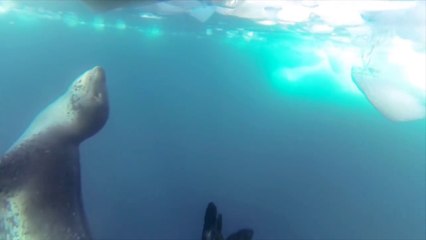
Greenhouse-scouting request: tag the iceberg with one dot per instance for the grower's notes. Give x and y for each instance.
(376, 47)
(393, 79)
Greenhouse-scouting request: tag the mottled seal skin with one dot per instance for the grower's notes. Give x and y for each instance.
(40, 188)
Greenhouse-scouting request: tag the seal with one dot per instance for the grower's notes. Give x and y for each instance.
(212, 228)
(40, 185)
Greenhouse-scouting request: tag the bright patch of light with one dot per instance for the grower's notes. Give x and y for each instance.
(293, 13)
(154, 32)
(248, 35)
(3, 9)
(413, 63)
(340, 62)
(382, 5)
(231, 34)
(6, 6)
(202, 14)
(297, 73)
(46, 14)
(209, 32)
(27, 17)
(150, 16)
(120, 25)
(228, 3)
(338, 13)
(71, 20)
(99, 24)
(267, 22)
(321, 28)
(332, 12)
(293, 74)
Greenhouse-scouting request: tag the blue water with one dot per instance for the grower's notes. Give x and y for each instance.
(195, 120)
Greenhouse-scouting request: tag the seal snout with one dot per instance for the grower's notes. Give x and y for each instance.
(96, 83)
(98, 73)
(96, 79)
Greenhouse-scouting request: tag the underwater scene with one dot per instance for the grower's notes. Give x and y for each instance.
(212, 120)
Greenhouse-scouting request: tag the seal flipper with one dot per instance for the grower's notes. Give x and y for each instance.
(243, 234)
(212, 229)
(212, 224)
(210, 217)
(219, 223)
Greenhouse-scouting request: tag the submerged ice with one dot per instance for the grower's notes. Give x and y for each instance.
(393, 79)
(376, 48)
(388, 67)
